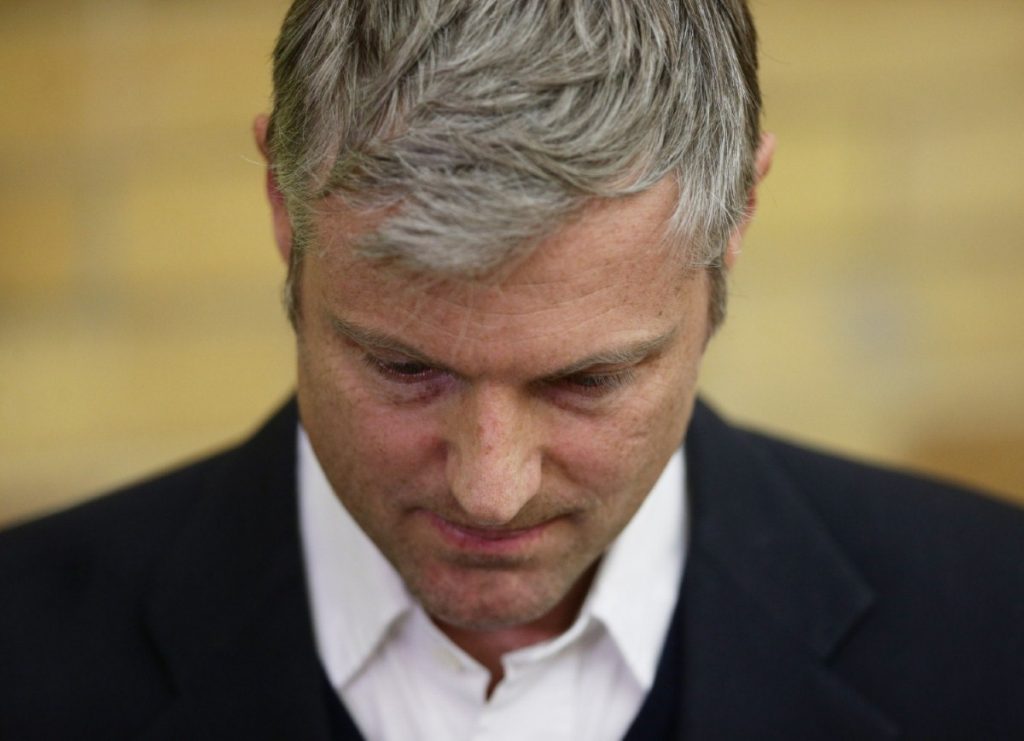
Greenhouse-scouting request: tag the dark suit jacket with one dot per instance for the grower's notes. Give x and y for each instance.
(821, 600)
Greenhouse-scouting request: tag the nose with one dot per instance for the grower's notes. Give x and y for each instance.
(493, 459)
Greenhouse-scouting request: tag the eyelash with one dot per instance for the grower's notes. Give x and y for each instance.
(408, 371)
(596, 384)
(585, 384)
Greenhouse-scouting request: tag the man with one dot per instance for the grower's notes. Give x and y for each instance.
(507, 227)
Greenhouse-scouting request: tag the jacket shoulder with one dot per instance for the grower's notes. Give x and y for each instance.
(121, 529)
(941, 643)
(880, 502)
(946, 563)
(77, 589)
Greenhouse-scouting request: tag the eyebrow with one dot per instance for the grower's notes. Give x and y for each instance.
(371, 338)
(626, 355)
(622, 356)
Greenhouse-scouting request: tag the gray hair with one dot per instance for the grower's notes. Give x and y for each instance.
(480, 126)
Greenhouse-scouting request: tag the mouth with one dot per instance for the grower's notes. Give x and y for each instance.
(485, 540)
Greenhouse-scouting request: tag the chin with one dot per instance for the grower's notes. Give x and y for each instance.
(485, 618)
(495, 601)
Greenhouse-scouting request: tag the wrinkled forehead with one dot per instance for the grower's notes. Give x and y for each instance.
(605, 275)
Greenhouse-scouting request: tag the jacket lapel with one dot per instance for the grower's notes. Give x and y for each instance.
(229, 614)
(767, 599)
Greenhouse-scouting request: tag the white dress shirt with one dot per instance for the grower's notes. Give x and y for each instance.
(402, 679)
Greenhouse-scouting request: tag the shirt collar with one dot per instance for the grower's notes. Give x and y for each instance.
(342, 561)
(633, 594)
(637, 585)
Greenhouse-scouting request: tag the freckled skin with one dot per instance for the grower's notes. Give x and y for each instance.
(487, 440)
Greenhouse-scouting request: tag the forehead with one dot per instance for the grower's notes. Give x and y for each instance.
(606, 276)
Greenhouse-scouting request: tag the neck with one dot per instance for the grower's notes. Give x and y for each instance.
(488, 646)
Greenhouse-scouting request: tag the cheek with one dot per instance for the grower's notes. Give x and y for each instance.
(398, 439)
(365, 442)
(624, 450)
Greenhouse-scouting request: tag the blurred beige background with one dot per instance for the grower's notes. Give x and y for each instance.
(877, 309)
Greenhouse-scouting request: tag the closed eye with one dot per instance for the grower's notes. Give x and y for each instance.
(595, 384)
(403, 371)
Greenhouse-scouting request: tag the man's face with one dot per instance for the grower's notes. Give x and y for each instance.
(492, 438)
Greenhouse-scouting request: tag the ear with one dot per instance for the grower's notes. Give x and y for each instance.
(762, 164)
(278, 212)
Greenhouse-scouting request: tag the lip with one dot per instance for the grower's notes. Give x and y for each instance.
(488, 540)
